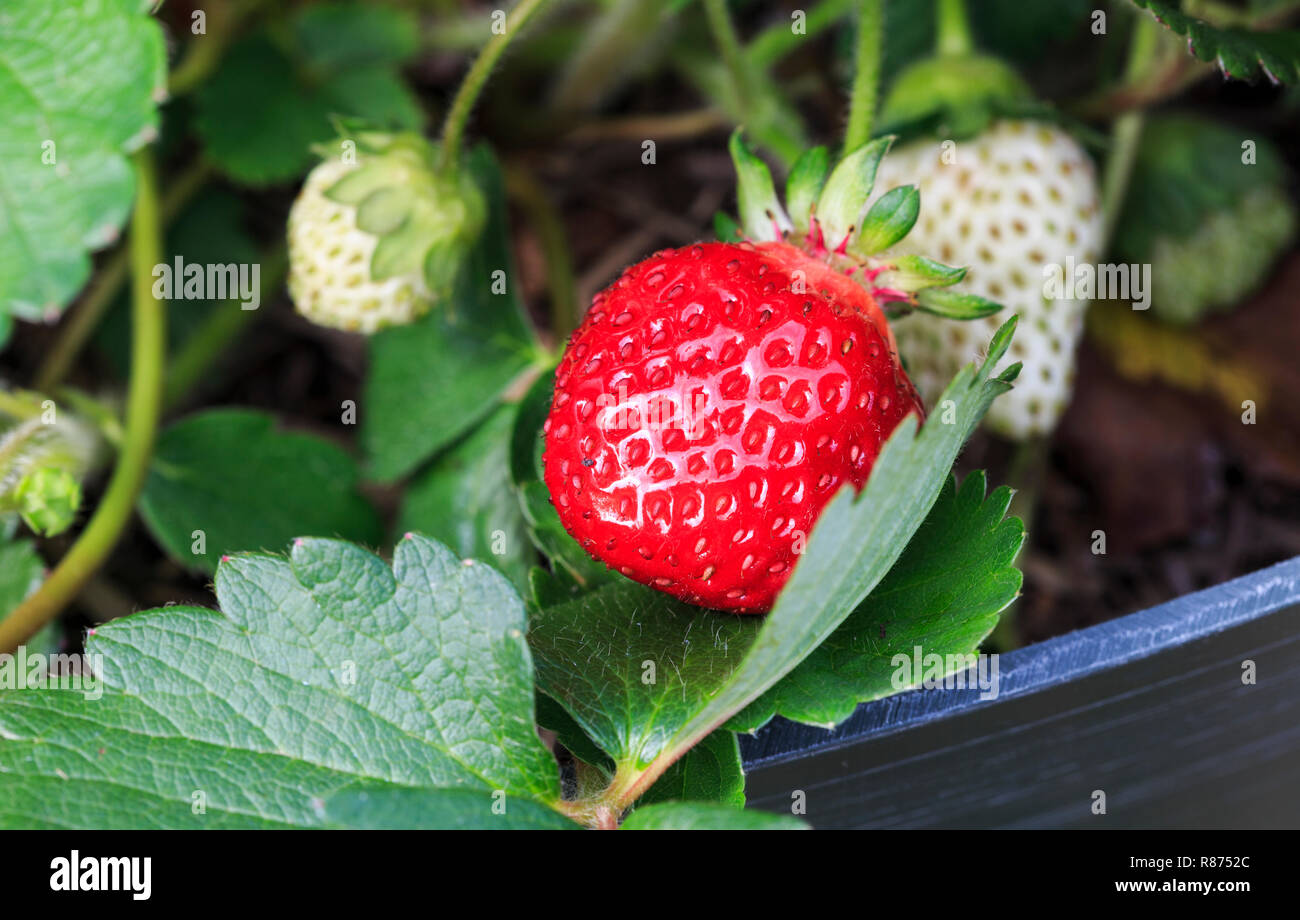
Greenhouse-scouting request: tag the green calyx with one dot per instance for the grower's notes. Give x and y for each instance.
(957, 94)
(831, 216)
(426, 219)
(45, 452)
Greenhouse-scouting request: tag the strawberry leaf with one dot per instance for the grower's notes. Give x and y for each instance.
(943, 596)
(79, 81)
(274, 94)
(226, 481)
(1239, 53)
(573, 569)
(465, 500)
(710, 772)
(436, 379)
(698, 816)
(648, 677)
(352, 693)
(21, 571)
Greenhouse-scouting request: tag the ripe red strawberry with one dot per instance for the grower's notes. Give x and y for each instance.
(704, 413)
(716, 397)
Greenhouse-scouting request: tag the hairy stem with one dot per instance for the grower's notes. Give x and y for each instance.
(453, 129)
(144, 397)
(866, 77)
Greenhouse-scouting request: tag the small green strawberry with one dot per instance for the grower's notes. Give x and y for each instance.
(376, 240)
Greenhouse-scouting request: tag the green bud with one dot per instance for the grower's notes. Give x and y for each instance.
(48, 500)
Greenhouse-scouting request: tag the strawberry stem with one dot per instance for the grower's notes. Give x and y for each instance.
(144, 397)
(953, 28)
(866, 77)
(453, 129)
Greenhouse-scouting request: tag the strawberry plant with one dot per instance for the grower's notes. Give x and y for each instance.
(371, 498)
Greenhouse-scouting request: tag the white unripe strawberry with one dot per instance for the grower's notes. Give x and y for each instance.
(377, 240)
(1007, 203)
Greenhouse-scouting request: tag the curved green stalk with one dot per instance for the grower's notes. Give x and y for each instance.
(453, 129)
(143, 402)
(866, 76)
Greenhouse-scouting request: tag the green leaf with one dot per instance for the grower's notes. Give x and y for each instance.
(465, 499)
(230, 474)
(377, 807)
(709, 772)
(575, 571)
(1239, 53)
(21, 573)
(333, 36)
(436, 379)
(889, 220)
(943, 597)
(79, 81)
(273, 97)
(648, 677)
(697, 816)
(845, 196)
(632, 665)
(330, 690)
(942, 301)
(552, 715)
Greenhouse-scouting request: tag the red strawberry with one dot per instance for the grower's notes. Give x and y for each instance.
(712, 402)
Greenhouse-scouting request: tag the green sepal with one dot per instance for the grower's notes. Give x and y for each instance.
(845, 195)
(954, 304)
(807, 176)
(413, 208)
(890, 219)
(915, 273)
(383, 211)
(761, 214)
